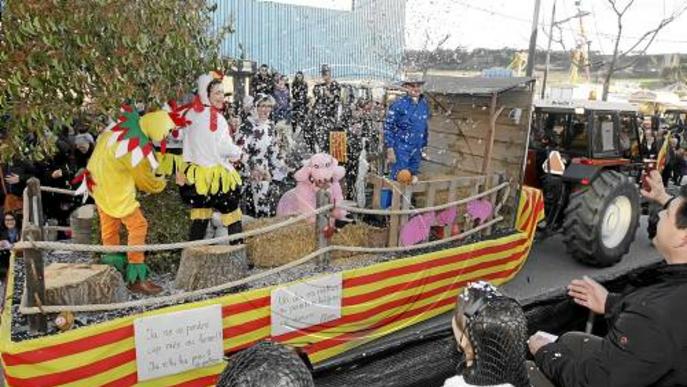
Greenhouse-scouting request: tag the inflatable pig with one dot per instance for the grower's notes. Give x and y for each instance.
(321, 171)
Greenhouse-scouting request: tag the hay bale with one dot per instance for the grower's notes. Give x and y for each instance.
(280, 246)
(358, 234)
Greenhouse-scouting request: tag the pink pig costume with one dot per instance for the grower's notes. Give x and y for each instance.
(321, 171)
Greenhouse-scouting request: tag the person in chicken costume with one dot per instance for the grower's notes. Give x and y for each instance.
(210, 181)
(122, 163)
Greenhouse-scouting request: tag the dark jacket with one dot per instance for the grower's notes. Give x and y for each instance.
(646, 344)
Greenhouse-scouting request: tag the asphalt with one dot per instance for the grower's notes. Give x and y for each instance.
(549, 269)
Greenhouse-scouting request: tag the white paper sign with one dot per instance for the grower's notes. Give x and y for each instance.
(306, 304)
(175, 342)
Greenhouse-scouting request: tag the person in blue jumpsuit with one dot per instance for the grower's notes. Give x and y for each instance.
(405, 130)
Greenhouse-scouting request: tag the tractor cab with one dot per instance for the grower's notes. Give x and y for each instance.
(588, 130)
(586, 157)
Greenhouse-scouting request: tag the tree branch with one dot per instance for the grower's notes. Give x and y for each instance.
(651, 34)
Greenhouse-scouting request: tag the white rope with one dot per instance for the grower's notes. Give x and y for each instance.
(43, 245)
(23, 309)
(58, 190)
(425, 209)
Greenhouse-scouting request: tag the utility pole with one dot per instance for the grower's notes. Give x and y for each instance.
(548, 50)
(533, 39)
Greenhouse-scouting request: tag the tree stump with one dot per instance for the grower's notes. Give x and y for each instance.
(207, 266)
(81, 223)
(81, 284)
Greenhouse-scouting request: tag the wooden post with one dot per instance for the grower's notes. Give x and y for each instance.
(451, 198)
(35, 215)
(35, 281)
(489, 149)
(394, 220)
(320, 225)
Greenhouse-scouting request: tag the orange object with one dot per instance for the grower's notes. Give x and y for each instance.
(404, 176)
(136, 228)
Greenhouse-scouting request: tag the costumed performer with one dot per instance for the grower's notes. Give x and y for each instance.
(210, 181)
(405, 130)
(122, 162)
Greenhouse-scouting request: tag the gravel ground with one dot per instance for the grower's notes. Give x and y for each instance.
(166, 280)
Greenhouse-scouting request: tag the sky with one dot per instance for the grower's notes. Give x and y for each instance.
(507, 23)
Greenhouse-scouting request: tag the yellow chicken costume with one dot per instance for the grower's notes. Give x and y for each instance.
(122, 162)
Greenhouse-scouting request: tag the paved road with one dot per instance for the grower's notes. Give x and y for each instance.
(548, 268)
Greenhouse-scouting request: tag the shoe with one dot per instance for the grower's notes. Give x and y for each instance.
(146, 287)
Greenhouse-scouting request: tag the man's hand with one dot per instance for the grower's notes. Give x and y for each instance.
(56, 174)
(391, 156)
(12, 178)
(588, 293)
(536, 342)
(657, 192)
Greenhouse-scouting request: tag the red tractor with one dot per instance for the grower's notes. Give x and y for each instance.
(587, 159)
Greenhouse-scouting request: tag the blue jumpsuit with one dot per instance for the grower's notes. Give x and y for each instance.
(405, 130)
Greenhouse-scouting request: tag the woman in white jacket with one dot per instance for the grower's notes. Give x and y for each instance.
(491, 332)
(209, 182)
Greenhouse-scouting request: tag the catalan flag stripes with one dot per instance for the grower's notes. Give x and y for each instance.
(377, 300)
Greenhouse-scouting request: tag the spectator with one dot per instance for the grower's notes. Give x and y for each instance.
(647, 341)
(490, 330)
(83, 150)
(299, 98)
(649, 144)
(14, 177)
(58, 172)
(266, 364)
(9, 235)
(326, 111)
(262, 167)
(281, 94)
(262, 82)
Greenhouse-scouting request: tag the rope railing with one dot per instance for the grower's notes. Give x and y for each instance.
(58, 190)
(46, 245)
(425, 209)
(44, 309)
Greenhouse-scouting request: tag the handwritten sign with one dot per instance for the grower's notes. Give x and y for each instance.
(306, 304)
(175, 342)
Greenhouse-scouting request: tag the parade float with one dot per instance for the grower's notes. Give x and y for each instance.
(468, 218)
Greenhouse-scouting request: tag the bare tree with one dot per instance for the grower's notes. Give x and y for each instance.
(640, 46)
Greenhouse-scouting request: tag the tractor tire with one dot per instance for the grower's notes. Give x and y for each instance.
(601, 221)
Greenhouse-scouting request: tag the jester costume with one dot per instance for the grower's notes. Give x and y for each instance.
(122, 162)
(211, 181)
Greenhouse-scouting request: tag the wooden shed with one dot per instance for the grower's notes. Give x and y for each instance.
(478, 136)
(479, 126)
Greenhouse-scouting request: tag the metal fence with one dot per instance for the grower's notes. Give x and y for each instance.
(364, 43)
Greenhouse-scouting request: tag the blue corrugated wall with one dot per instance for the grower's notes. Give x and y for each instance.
(365, 43)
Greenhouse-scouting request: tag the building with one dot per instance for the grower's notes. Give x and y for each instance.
(363, 40)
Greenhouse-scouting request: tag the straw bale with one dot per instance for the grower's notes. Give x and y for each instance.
(358, 234)
(280, 246)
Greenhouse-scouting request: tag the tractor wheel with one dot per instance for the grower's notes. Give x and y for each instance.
(601, 221)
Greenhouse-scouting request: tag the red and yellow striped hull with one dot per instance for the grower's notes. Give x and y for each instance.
(377, 300)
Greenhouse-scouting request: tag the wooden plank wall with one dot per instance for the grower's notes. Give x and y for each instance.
(458, 132)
